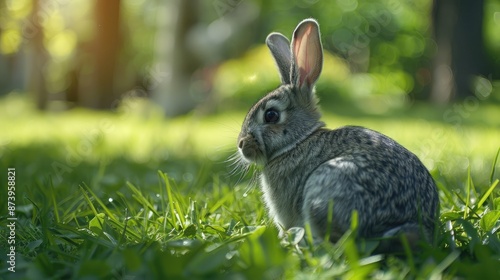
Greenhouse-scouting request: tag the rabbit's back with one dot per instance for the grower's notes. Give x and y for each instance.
(356, 169)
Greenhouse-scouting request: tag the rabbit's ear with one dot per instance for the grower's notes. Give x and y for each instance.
(307, 54)
(280, 49)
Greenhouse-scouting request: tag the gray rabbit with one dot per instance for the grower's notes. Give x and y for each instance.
(307, 167)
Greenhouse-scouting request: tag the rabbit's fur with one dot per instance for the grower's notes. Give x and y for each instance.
(307, 167)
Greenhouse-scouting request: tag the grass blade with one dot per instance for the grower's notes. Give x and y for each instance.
(141, 199)
(178, 220)
(487, 193)
(109, 213)
(439, 269)
(492, 173)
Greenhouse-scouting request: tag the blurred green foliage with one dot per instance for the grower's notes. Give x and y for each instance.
(377, 52)
(388, 39)
(387, 45)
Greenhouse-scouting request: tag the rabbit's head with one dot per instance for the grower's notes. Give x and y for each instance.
(289, 114)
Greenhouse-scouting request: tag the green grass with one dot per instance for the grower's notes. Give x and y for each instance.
(135, 196)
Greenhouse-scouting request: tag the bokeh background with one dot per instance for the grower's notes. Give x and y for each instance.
(208, 53)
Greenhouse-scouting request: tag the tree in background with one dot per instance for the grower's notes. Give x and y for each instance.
(39, 56)
(176, 61)
(460, 54)
(91, 53)
(194, 37)
(106, 49)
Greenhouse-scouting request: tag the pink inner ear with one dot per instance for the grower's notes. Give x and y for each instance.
(305, 54)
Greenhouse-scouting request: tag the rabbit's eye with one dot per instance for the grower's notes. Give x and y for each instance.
(271, 116)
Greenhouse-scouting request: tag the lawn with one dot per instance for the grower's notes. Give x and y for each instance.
(131, 195)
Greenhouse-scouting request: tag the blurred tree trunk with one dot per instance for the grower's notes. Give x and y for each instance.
(73, 91)
(106, 47)
(177, 63)
(39, 56)
(458, 32)
(189, 50)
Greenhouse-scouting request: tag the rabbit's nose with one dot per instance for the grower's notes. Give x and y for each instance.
(240, 144)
